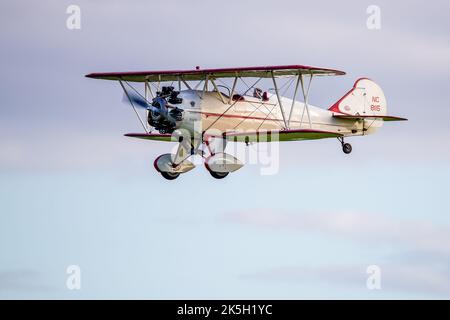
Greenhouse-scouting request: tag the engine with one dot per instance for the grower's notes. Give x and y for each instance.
(163, 115)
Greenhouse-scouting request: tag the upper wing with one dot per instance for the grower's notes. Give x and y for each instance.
(200, 74)
(283, 135)
(369, 117)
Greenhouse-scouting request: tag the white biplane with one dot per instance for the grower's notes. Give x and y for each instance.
(203, 114)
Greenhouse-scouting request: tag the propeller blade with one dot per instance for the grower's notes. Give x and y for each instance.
(137, 100)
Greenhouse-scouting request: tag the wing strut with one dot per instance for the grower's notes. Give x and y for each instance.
(232, 90)
(218, 92)
(134, 108)
(279, 101)
(293, 98)
(205, 86)
(185, 83)
(305, 97)
(148, 89)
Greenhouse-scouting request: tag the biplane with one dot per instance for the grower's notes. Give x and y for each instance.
(204, 112)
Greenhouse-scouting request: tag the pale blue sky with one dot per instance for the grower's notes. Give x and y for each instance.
(73, 190)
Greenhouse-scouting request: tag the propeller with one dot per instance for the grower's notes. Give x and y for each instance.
(137, 101)
(140, 102)
(159, 113)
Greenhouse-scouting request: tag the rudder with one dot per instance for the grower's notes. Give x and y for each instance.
(365, 98)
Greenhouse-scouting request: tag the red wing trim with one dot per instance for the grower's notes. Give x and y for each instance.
(375, 117)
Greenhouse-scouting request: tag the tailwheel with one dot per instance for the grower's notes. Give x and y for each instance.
(347, 148)
(218, 175)
(170, 175)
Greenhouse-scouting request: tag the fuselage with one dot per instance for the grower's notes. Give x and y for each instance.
(205, 111)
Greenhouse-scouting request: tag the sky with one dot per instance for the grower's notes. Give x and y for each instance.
(75, 191)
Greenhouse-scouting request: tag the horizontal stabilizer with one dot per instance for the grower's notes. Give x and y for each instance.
(368, 117)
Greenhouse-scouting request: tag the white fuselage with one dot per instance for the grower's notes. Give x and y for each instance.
(206, 111)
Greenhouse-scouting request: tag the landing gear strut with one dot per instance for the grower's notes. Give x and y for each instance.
(346, 147)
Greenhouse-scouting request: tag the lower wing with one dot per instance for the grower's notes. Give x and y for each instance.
(251, 136)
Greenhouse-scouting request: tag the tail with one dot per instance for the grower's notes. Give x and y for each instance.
(365, 99)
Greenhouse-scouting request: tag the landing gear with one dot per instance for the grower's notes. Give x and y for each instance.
(218, 175)
(170, 175)
(346, 147)
(219, 164)
(164, 165)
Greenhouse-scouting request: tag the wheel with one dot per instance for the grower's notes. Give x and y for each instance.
(218, 175)
(170, 175)
(347, 148)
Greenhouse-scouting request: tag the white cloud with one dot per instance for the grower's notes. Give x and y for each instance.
(409, 280)
(419, 262)
(419, 235)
